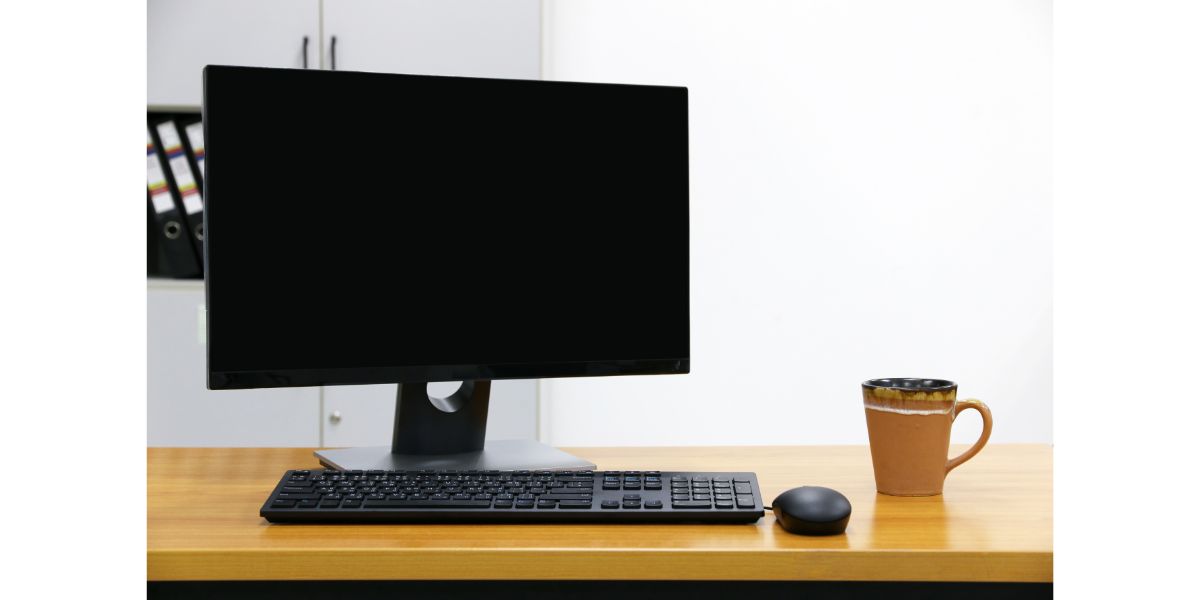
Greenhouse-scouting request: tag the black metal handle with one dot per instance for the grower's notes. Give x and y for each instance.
(304, 52)
(333, 53)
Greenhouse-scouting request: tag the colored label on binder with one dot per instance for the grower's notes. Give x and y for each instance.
(156, 180)
(180, 168)
(195, 136)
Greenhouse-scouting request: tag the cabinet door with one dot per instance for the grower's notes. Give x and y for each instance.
(478, 38)
(181, 411)
(363, 415)
(182, 36)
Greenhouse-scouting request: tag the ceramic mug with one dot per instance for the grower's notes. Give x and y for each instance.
(908, 422)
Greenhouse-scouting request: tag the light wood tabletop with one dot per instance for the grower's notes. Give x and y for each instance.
(993, 523)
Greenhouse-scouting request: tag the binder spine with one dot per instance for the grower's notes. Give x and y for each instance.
(195, 140)
(186, 186)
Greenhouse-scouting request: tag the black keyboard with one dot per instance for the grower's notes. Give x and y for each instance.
(514, 496)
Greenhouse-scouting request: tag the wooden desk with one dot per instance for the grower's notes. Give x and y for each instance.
(993, 524)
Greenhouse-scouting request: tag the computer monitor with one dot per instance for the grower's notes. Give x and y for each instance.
(366, 228)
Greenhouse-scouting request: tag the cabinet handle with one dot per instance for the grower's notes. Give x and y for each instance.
(333, 53)
(335, 417)
(304, 51)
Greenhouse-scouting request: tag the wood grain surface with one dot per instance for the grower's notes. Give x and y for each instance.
(993, 523)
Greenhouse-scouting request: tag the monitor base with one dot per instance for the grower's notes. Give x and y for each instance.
(497, 455)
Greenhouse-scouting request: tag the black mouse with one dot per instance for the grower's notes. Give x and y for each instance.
(812, 510)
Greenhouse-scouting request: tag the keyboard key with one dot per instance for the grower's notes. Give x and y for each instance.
(574, 504)
(610, 504)
(298, 497)
(654, 504)
(283, 504)
(632, 497)
(567, 497)
(724, 504)
(745, 501)
(546, 504)
(307, 504)
(631, 504)
(690, 504)
(426, 504)
(742, 488)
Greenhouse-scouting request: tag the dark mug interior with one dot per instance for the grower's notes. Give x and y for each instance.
(910, 383)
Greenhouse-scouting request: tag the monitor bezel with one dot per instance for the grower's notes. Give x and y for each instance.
(270, 378)
(275, 378)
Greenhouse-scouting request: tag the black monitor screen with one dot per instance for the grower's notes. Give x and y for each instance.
(375, 228)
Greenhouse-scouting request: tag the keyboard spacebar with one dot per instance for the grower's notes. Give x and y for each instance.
(427, 504)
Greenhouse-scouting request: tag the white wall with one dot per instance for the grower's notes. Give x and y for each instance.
(870, 198)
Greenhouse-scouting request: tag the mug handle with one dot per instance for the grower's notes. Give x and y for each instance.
(983, 437)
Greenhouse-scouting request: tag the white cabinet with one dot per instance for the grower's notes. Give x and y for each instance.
(181, 411)
(182, 36)
(474, 38)
(481, 38)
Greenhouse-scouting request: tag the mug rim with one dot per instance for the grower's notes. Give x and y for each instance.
(922, 384)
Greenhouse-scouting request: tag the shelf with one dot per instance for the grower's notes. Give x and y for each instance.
(173, 108)
(162, 283)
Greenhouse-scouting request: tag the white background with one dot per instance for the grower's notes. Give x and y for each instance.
(871, 197)
(73, 316)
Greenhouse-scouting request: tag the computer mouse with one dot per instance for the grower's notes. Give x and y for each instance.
(812, 510)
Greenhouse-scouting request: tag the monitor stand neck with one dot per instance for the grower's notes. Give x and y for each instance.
(427, 425)
(448, 433)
